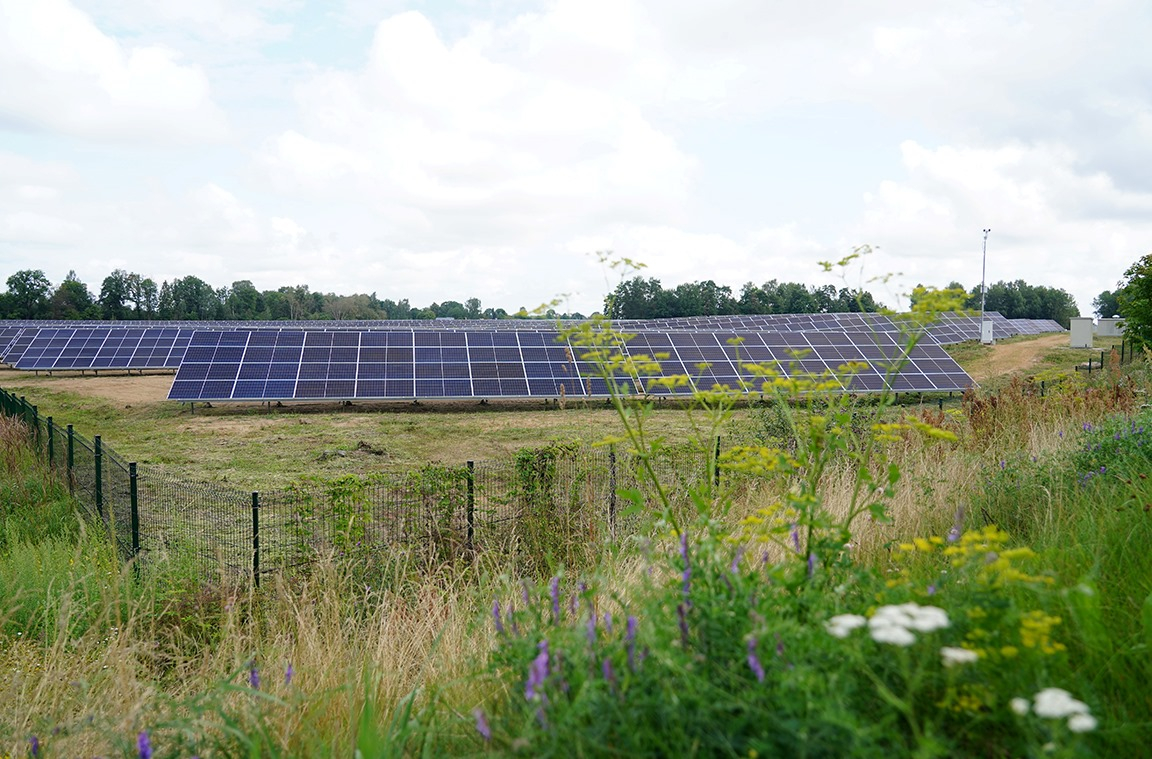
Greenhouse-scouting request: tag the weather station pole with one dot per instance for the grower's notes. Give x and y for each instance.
(985, 324)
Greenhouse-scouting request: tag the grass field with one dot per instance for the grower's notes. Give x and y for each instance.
(730, 634)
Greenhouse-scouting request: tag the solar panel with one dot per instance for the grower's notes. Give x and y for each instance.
(16, 348)
(8, 333)
(432, 364)
(105, 348)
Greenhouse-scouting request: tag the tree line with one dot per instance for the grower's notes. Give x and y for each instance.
(128, 296)
(640, 298)
(1019, 300)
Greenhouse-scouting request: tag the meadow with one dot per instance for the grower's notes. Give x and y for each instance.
(867, 579)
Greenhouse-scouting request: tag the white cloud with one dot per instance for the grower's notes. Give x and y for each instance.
(448, 146)
(1053, 222)
(64, 75)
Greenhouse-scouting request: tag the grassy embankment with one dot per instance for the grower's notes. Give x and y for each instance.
(395, 659)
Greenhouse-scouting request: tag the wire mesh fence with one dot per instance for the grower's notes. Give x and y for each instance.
(554, 504)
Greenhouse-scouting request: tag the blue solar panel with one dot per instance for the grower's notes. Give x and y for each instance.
(306, 365)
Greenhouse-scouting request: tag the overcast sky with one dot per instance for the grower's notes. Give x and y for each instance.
(443, 150)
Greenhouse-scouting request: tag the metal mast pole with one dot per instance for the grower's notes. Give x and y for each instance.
(983, 273)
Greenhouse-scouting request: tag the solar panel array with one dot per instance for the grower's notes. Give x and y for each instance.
(1035, 326)
(426, 364)
(105, 348)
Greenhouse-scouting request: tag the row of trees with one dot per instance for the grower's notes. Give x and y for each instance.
(1020, 300)
(129, 296)
(640, 298)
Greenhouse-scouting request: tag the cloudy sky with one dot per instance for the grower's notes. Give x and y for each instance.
(449, 149)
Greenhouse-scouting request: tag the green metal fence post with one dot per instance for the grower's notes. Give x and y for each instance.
(470, 514)
(133, 494)
(612, 491)
(256, 539)
(99, 456)
(716, 463)
(51, 445)
(36, 427)
(71, 461)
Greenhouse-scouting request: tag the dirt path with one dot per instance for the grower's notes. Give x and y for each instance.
(1009, 358)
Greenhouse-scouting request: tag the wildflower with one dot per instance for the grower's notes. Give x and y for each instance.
(682, 616)
(607, 671)
(796, 537)
(591, 629)
(288, 672)
(736, 560)
(811, 564)
(630, 642)
(482, 724)
(931, 590)
(842, 624)
(537, 672)
(1055, 703)
(1081, 723)
(957, 525)
(253, 675)
(143, 745)
(952, 656)
(34, 746)
(687, 567)
(554, 591)
(754, 661)
(1020, 706)
(608, 623)
(893, 634)
(496, 617)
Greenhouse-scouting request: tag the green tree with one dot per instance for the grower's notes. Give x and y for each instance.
(1106, 304)
(1135, 299)
(28, 295)
(72, 300)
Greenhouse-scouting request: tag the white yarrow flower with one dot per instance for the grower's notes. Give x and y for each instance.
(893, 634)
(1081, 723)
(1055, 703)
(953, 656)
(842, 624)
(1020, 706)
(928, 618)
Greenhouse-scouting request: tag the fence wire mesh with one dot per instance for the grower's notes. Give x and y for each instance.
(554, 504)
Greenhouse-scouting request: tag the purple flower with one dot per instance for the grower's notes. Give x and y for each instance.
(1003, 463)
(496, 617)
(931, 590)
(811, 564)
(34, 746)
(608, 623)
(1102, 469)
(957, 525)
(682, 617)
(591, 629)
(796, 537)
(573, 603)
(554, 591)
(537, 672)
(630, 642)
(608, 672)
(511, 617)
(736, 559)
(288, 672)
(482, 724)
(253, 675)
(143, 745)
(754, 661)
(1061, 433)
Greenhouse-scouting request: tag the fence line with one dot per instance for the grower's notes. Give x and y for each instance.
(549, 503)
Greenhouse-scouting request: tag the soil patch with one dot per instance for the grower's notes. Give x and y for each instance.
(1014, 357)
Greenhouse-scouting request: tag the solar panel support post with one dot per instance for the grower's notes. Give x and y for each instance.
(71, 461)
(716, 464)
(133, 499)
(98, 456)
(256, 539)
(470, 507)
(612, 491)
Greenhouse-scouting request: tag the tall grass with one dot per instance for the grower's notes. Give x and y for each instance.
(401, 654)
